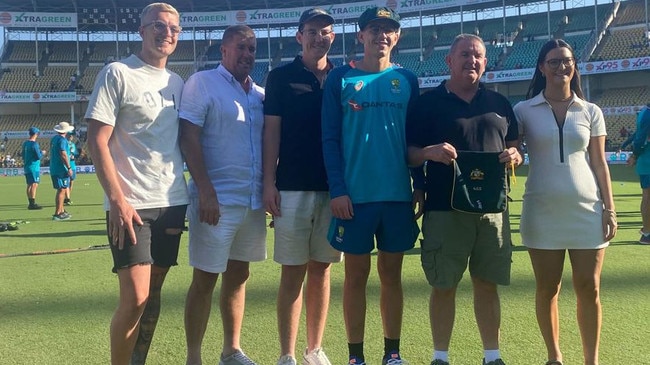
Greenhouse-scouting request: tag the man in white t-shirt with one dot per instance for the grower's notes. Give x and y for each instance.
(132, 136)
(221, 138)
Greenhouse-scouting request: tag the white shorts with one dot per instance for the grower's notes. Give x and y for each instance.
(240, 235)
(301, 231)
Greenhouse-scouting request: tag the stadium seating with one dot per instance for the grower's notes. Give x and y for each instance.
(624, 97)
(56, 59)
(446, 33)
(183, 71)
(63, 51)
(184, 51)
(623, 43)
(23, 122)
(614, 125)
(18, 78)
(21, 51)
(55, 78)
(410, 38)
(631, 12)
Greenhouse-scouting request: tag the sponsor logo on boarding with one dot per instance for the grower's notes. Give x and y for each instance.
(5, 18)
(394, 86)
(241, 16)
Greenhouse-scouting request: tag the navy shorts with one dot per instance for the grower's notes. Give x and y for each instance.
(155, 246)
(33, 177)
(60, 182)
(645, 181)
(391, 223)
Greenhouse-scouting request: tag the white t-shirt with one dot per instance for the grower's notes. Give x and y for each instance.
(141, 103)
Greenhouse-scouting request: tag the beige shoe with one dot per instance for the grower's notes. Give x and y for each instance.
(315, 357)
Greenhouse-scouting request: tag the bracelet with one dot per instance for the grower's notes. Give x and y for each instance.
(610, 211)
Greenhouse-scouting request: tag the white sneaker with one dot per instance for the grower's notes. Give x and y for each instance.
(286, 360)
(315, 357)
(238, 358)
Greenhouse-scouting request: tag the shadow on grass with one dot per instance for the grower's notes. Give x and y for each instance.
(23, 207)
(260, 296)
(56, 234)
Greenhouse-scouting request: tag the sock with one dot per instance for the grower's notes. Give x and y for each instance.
(356, 350)
(390, 345)
(31, 201)
(643, 233)
(491, 355)
(441, 355)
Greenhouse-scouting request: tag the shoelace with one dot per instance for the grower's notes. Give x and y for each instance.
(243, 359)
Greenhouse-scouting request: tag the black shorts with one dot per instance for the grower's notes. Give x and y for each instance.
(154, 246)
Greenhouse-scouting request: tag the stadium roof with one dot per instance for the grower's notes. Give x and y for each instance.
(72, 6)
(108, 9)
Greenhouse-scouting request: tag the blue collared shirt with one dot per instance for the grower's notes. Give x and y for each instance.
(232, 121)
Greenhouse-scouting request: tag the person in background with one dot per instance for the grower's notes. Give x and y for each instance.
(640, 158)
(74, 153)
(568, 205)
(133, 137)
(295, 187)
(463, 115)
(221, 126)
(32, 156)
(60, 169)
(364, 148)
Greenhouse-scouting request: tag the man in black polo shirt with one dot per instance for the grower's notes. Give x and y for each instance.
(295, 187)
(461, 115)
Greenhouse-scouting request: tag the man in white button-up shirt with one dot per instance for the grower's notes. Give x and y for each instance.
(221, 138)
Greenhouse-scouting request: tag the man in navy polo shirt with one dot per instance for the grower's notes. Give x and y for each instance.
(462, 115)
(295, 186)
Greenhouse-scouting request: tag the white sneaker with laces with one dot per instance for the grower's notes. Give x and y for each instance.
(238, 358)
(315, 357)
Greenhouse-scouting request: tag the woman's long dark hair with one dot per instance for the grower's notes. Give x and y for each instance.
(538, 83)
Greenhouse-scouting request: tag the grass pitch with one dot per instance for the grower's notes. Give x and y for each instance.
(57, 295)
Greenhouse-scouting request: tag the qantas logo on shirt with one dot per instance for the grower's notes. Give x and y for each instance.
(373, 104)
(356, 107)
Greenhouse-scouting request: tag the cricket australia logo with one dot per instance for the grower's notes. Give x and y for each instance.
(339, 234)
(477, 174)
(394, 86)
(382, 13)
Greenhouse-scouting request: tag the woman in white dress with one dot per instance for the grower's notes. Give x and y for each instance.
(568, 204)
